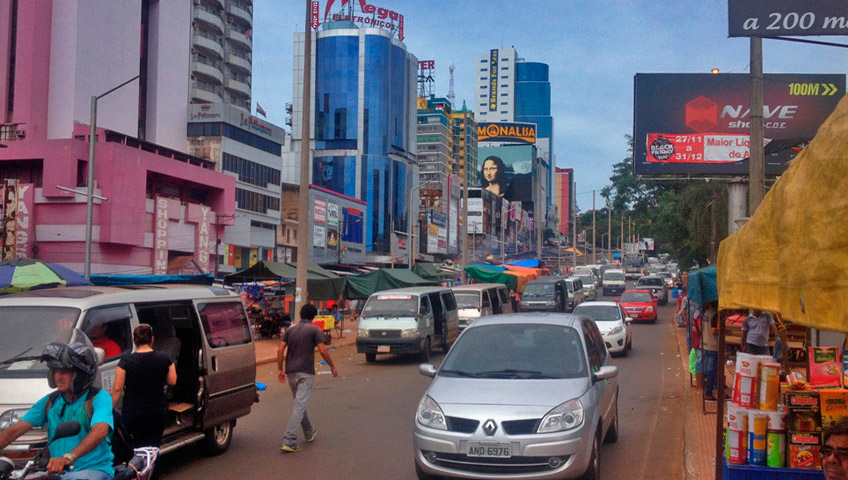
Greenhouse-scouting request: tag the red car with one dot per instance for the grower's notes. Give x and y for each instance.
(640, 305)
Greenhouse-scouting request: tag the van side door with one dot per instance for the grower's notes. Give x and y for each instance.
(229, 360)
(506, 302)
(496, 301)
(110, 329)
(451, 315)
(485, 304)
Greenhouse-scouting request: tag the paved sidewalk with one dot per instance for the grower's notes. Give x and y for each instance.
(266, 349)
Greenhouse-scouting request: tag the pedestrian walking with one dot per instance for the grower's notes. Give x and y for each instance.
(755, 332)
(296, 363)
(709, 344)
(141, 378)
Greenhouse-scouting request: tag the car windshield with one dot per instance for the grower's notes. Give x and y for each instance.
(26, 331)
(614, 276)
(538, 290)
(391, 306)
(467, 299)
(517, 351)
(636, 297)
(587, 280)
(599, 313)
(653, 281)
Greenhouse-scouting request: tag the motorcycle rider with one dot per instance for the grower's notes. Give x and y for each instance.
(72, 369)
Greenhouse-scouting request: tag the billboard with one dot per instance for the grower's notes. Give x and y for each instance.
(767, 18)
(506, 132)
(507, 171)
(493, 80)
(698, 123)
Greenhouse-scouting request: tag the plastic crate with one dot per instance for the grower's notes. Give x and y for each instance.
(749, 472)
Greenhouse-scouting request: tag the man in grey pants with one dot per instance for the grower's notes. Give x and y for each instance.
(296, 358)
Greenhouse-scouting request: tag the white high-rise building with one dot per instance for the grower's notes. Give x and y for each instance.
(495, 86)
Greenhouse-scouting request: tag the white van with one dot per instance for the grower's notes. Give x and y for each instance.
(481, 299)
(614, 282)
(204, 329)
(408, 321)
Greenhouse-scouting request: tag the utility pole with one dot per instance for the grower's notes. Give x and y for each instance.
(574, 233)
(594, 233)
(609, 233)
(464, 225)
(303, 200)
(756, 161)
(539, 209)
(621, 242)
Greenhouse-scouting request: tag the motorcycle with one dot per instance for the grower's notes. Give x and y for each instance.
(140, 467)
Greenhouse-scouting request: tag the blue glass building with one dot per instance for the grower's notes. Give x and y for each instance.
(363, 123)
(533, 105)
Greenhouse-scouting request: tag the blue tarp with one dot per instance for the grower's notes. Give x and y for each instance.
(529, 263)
(703, 287)
(497, 268)
(107, 280)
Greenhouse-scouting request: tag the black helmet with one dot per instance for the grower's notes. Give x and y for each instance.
(74, 356)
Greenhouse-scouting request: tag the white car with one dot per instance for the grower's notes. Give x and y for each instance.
(590, 291)
(615, 326)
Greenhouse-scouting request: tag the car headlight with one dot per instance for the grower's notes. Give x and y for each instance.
(567, 416)
(430, 414)
(11, 417)
(362, 332)
(616, 330)
(550, 304)
(649, 309)
(410, 333)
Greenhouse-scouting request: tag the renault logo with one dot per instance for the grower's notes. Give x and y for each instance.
(383, 334)
(490, 427)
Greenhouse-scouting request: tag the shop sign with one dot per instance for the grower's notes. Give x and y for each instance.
(320, 211)
(319, 236)
(506, 132)
(332, 214)
(160, 236)
(768, 18)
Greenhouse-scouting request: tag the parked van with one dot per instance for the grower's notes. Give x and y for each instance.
(204, 329)
(545, 294)
(408, 321)
(574, 287)
(479, 300)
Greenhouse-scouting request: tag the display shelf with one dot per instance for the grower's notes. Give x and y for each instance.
(750, 472)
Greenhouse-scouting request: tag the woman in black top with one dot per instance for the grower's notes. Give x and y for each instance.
(141, 378)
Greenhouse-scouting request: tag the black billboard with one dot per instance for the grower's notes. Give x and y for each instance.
(698, 123)
(768, 18)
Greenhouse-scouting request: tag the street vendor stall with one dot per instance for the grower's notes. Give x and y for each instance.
(790, 258)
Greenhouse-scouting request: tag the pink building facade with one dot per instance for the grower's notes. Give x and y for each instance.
(161, 210)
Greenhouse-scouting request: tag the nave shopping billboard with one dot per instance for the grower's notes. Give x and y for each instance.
(698, 123)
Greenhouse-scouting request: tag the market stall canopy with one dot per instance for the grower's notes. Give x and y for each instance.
(485, 274)
(22, 274)
(429, 271)
(186, 279)
(702, 285)
(530, 263)
(792, 254)
(529, 272)
(360, 287)
(321, 284)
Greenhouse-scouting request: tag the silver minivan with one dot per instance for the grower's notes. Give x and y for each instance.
(481, 299)
(204, 329)
(408, 321)
(529, 395)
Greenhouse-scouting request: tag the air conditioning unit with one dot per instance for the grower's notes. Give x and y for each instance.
(20, 133)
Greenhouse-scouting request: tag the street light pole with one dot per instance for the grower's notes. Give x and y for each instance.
(89, 206)
(303, 200)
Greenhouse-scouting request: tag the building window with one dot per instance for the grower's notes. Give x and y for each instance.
(250, 172)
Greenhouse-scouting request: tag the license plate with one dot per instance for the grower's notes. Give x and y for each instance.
(384, 349)
(486, 449)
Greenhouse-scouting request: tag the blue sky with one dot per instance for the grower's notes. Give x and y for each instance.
(593, 49)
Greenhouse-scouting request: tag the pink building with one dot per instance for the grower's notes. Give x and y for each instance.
(163, 210)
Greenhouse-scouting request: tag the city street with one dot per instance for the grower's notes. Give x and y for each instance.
(364, 420)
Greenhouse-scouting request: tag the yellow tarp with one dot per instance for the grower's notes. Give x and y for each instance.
(791, 257)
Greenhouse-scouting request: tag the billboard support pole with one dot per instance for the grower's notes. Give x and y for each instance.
(594, 233)
(303, 247)
(609, 233)
(756, 162)
(574, 232)
(737, 190)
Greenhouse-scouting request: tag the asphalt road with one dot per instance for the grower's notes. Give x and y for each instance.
(364, 420)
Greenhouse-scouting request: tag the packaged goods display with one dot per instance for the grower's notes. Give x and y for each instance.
(776, 439)
(834, 406)
(804, 450)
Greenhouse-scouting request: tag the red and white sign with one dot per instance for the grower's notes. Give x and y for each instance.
(699, 148)
(320, 211)
(201, 237)
(368, 15)
(316, 11)
(160, 236)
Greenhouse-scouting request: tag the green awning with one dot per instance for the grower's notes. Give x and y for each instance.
(321, 284)
(485, 275)
(359, 287)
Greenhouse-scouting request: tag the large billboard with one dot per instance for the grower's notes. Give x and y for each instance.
(507, 171)
(768, 18)
(514, 132)
(698, 123)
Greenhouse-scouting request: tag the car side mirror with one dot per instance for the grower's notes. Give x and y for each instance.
(606, 373)
(101, 355)
(427, 369)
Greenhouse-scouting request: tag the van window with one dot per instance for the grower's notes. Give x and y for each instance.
(450, 301)
(391, 305)
(502, 293)
(486, 302)
(109, 328)
(27, 330)
(468, 299)
(224, 323)
(424, 309)
(496, 302)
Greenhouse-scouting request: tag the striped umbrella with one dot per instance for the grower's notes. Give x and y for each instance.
(21, 274)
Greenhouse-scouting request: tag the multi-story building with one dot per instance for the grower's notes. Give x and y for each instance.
(510, 89)
(248, 149)
(465, 144)
(563, 198)
(156, 209)
(363, 125)
(221, 51)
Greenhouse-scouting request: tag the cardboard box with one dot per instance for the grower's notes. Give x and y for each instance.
(803, 411)
(834, 406)
(825, 367)
(804, 450)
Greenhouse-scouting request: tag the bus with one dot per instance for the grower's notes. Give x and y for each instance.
(635, 264)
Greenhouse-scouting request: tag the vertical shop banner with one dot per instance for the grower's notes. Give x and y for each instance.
(332, 215)
(10, 219)
(454, 225)
(160, 236)
(254, 257)
(493, 80)
(320, 211)
(332, 239)
(316, 12)
(25, 234)
(319, 236)
(201, 214)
